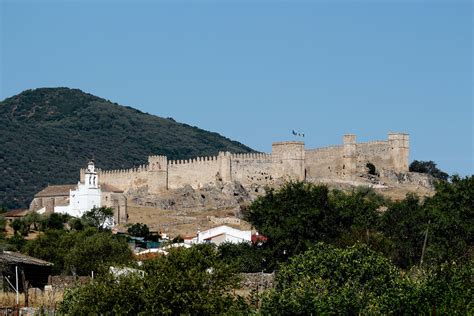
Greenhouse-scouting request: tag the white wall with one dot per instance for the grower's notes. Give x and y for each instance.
(227, 234)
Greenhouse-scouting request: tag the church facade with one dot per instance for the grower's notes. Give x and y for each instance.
(77, 199)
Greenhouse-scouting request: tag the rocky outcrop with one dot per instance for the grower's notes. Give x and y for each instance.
(211, 197)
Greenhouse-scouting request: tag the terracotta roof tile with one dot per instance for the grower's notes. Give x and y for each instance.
(16, 213)
(63, 190)
(56, 190)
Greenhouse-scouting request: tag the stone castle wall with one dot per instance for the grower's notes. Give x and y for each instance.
(253, 168)
(195, 172)
(288, 160)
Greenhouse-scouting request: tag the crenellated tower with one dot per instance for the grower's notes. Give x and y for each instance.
(349, 156)
(289, 160)
(399, 144)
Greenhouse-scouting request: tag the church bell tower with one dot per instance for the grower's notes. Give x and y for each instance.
(91, 179)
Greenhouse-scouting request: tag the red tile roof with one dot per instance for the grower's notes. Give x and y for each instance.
(56, 190)
(16, 213)
(63, 190)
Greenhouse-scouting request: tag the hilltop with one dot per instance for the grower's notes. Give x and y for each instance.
(47, 135)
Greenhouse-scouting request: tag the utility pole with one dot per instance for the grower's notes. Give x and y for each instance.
(16, 284)
(424, 243)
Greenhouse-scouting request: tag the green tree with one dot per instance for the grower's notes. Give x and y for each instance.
(98, 217)
(245, 257)
(404, 224)
(447, 288)
(139, 230)
(53, 246)
(96, 251)
(186, 281)
(330, 281)
(294, 217)
(79, 251)
(428, 167)
(76, 224)
(450, 213)
(20, 226)
(53, 221)
(3, 225)
(445, 219)
(358, 215)
(33, 218)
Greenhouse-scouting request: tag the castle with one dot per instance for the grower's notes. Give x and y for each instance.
(288, 160)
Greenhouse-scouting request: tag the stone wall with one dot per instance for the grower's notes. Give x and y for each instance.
(195, 172)
(288, 160)
(253, 168)
(325, 162)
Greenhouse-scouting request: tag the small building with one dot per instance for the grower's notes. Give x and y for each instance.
(32, 272)
(76, 199)
(222, 234)
(11, 215)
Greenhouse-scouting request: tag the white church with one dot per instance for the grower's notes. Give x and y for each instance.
(77, 199)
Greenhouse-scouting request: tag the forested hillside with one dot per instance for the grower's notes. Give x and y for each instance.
(47, 135)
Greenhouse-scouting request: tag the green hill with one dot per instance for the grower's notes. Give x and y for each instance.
(48, 134)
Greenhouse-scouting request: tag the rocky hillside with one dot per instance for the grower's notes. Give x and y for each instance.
(47, 134)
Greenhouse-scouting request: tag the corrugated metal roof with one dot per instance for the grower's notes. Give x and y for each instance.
(9, 257)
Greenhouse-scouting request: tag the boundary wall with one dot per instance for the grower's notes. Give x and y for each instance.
(288, 160)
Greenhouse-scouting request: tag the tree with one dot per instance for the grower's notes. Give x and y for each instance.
(79, 251)
(327, 280)
(96, 250)
(450, 213)
(404, 224)
(52, 246)
(186, 281)
(20, 227)
(428, 167)
(32, 218)
(53, 221)
(246, 257)
(294, 217)
(139, 230)
(100, 218)
(446, 220)
(371, 169)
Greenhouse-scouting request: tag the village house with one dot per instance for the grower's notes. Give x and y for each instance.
(221, 234)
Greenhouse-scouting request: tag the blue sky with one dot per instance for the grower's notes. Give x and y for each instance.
(255, 70)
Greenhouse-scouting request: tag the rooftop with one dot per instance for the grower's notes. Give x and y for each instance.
(16, 213)
(63, 190)
(8, 257)
(56, 190)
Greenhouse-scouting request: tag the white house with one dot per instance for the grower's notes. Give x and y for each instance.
(222, 234)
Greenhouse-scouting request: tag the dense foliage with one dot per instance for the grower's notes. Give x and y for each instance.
(186, 281)
(428, 167)
(301, 214)
(139, 230)
(47, 135)
(78, 251)
(329, 281)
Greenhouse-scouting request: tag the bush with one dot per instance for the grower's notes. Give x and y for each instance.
(186, 281)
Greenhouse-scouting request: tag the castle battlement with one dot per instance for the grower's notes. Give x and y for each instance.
(288, 160)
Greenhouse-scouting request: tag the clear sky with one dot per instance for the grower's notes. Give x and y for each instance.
(255, 70)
